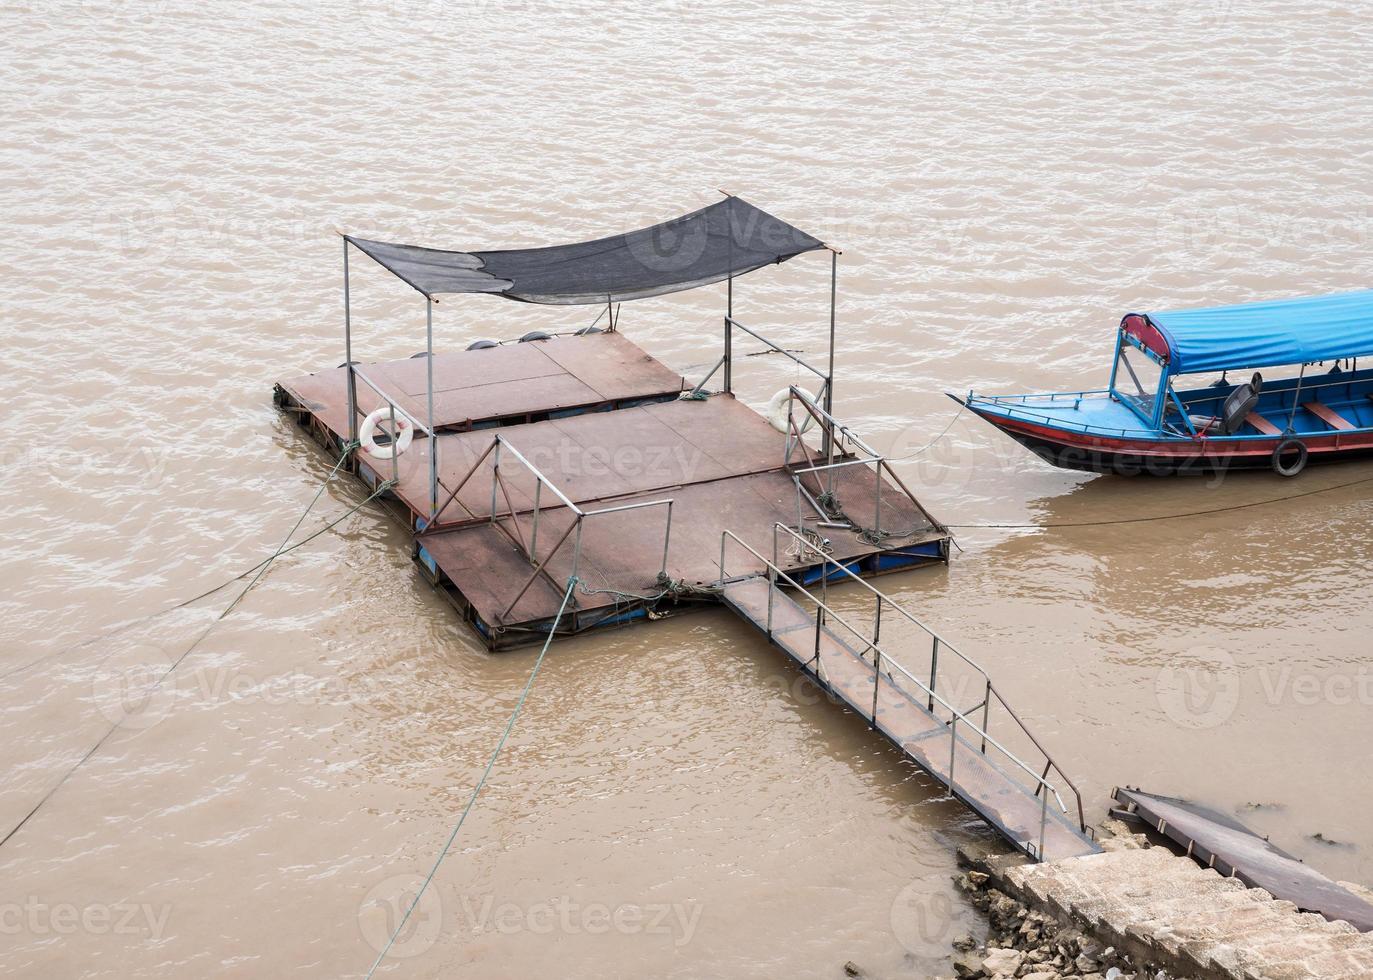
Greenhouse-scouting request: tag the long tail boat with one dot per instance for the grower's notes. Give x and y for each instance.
(1171, 407)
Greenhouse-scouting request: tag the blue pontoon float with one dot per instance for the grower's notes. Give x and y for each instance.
(1147, 421)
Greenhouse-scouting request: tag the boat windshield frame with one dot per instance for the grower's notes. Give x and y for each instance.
(1150, 414)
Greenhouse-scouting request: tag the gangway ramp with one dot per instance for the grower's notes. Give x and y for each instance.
(1021, 794)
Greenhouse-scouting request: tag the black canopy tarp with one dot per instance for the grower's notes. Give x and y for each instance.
(729, 238)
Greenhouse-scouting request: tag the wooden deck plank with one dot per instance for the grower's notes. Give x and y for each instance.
(986, 785)
(1262, 424)
(1328, 415)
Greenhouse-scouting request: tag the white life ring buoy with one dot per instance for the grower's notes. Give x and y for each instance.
(400, 439)
(776, 412)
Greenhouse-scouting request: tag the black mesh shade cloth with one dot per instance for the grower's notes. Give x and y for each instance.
(726, 239)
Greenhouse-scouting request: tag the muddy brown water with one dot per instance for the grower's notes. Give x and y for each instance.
(1005, 178)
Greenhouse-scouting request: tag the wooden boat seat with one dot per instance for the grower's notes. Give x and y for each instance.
(1206, 425)
(1262, 424)
(1328, 415)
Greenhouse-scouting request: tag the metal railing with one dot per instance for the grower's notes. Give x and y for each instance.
(930, 693)
(1016, 409)
(500, 448)
(726, 361)
(356, 373)
(844, 448)
(1284, 396)
(732, 324)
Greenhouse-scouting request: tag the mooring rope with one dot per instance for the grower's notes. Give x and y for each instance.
(123, 627)
(926, 447)
(262, 569)
(1167, 517)
(491, 764)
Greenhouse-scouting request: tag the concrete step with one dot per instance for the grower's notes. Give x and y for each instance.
(1169, 909)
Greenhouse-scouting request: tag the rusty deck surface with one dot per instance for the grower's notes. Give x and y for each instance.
(595, 456)
(722, 465)
(622, 553)
(717, 460)
(988, 786)
(511, 381)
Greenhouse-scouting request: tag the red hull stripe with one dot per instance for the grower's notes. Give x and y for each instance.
(1171, 449)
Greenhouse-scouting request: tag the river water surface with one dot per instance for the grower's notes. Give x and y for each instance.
(1005, 178)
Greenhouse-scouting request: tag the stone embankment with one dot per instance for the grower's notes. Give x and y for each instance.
(1137, 912)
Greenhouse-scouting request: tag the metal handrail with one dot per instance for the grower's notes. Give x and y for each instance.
(1050, 395)
(906, 614)
(845, 433)
(944, 644)
(504, 444)
(730, 321)
(667, 528)
(882, 466)
(499, 446)
(1059, 421)
(775, 569)
(1220, 393)
(1014, 411)
(419, 426)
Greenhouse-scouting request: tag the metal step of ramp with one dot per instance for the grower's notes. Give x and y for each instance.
(1020, 803)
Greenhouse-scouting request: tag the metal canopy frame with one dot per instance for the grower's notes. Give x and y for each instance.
(427, 425)
(826, 376)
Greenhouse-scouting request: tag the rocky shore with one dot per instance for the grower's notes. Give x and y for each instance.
(1028, 944)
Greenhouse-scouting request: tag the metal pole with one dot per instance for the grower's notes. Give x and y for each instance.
(577, 547)
(829, 381)
(934, 667)
(986, 710)
(824, 581)
(348, 352)
(534, 536)
(1296, 394)
(876, 680)
(395, 456)
(772, 578)
(729, 298)
(953, 750)
(1043, 819)
(729, 359)
(877, 500)
(817, 639)
(495, 475)
(433, 436)
(667, 537)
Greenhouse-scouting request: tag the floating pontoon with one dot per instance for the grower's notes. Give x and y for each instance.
(521, 464)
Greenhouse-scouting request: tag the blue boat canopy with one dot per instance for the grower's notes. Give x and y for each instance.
(1259, 335)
